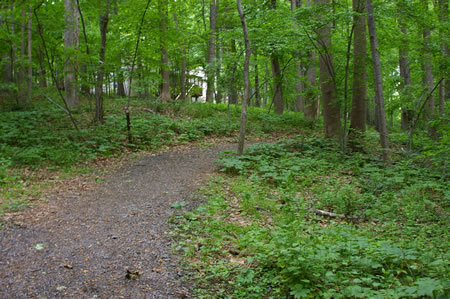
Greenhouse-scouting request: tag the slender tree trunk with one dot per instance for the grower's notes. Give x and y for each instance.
(444, 88)
(311, 103)
(378, 83)
(266, 83)
(233, 92)
(358, 114)
(277, 84)
(406, 114)
(257, 96)
(30, 57)
(331, 108)
(210, 73)
(13, 46)
(218, 71)
(183, 75)
(69, 63)
(277, 78)
(43, 73)
(120, 85)
(22, 91)
(85, 90)
(163, 28)
(428, 78)
(246, 80)
(104, 19)
(299, 85)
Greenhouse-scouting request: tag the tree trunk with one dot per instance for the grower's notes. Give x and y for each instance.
(358, 114)
(378, 83)
(218, 69)
(444, 88)
(427, 79)
(183, 75)
(13, 46)
(406, 113)
(233, 92)
(22, 91)
(210, 73)
(246, 80)
(69, 63)
(30, 57)
(120, 85)
(257, 96)
(299, 85)
(85, 90)
(104, 19)
(163, 28)
(277, 84)
(331, 108)
(311, 103)
(277, 78)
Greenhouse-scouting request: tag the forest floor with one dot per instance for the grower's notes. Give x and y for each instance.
(108, 240)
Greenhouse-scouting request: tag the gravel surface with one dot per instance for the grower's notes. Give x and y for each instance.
(109, 242)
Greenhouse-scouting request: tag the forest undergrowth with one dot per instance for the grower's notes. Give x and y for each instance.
(260, 231)
(40, 142)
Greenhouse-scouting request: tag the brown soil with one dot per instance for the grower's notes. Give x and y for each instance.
(110, 241)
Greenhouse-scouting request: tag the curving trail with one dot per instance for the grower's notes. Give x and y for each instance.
(85, 248)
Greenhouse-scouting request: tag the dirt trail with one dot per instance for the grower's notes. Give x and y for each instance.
(85, 248)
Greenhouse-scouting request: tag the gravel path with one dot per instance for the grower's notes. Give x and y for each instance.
(85, 248)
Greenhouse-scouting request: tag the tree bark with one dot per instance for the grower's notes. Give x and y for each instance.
(22, 91)
(246, 80)
(30, 54)
(406, 114)
(331, 107)
(444, 89)
(233, 92)
(299, 85)
(210, 73)
(378, 83)
(277, 78)
(13, 46)
(277, 84)
(163, 28)
(358, 113)
(104, 19)
(311, 103)
(69, 62)
(257, 96)
(85, 90)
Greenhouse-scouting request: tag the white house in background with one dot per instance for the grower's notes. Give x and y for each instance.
(198, 77)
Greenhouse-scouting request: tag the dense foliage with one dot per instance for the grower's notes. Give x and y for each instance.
(257, 233)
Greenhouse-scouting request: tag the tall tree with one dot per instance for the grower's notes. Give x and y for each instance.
(444, 90)
(405, 74)
(103, 22)
(163, 6)
(246, 79)
(70, 30)
(427, 68)
(331, 108)
(378, 83)
(311, 103)
(30, 54)
(299, 85)
(358, 114)
(210, 72)
(277, 76)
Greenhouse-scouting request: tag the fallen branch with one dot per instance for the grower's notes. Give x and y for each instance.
(342, 216)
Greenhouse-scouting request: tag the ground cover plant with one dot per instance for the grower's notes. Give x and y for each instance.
(259, 232)
(42, 136)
